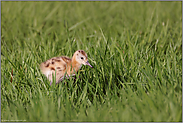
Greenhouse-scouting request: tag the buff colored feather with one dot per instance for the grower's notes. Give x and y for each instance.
(64, 65)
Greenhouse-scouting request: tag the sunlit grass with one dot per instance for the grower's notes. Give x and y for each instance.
(134, 47)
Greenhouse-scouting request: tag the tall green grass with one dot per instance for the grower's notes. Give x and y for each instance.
(134, 47)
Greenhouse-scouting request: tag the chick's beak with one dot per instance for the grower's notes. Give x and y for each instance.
(87, 63)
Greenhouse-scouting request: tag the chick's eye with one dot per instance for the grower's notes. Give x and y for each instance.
(81, 57)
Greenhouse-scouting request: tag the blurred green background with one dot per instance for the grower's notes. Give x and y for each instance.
(135, 48)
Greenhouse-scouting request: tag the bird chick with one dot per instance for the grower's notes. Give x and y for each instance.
(61, 66)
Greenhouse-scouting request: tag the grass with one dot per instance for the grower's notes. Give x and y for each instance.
(134, 47)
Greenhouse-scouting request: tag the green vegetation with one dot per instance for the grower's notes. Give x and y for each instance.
(134, 47)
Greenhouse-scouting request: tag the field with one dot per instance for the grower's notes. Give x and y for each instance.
(134, 47)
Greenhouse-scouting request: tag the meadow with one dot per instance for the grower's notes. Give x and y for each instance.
(134, 47)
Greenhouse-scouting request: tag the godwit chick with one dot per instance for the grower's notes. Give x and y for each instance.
(64, 66)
